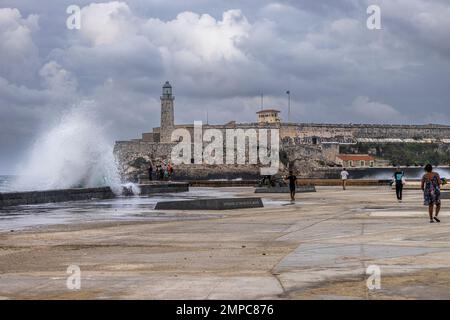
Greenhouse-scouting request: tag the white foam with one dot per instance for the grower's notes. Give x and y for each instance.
(134, 188)
(74, 153)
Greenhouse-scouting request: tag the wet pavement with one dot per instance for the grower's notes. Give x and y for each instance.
(118, 209)
(318, 248)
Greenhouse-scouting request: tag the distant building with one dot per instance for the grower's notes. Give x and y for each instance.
(355, 160)
(269, 116)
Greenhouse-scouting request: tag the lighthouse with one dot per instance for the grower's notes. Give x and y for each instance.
(167, 116)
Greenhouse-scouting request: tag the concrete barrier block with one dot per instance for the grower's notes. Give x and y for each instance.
(445, 195)
(211, 204)
(167, 187)
(299, 189)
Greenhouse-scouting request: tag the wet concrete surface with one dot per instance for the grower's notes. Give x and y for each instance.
(317, 248)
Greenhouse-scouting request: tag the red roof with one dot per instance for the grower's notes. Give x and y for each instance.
(355, 157)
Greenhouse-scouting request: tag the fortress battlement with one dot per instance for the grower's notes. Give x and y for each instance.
(372, 125)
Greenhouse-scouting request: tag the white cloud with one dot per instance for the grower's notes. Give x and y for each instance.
(19, 54)
(373, 111)
(192, 36)
(426, 21)
(222, 59)
(106, 23)
(56, 78)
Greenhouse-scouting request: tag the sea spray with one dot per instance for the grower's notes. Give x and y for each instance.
(74, 153)
(132, 188)
(411, 173)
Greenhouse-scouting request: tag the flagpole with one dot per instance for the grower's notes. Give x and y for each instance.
(262, 101)
(289, 105)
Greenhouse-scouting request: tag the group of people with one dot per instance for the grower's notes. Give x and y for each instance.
(162, 172)
(430, 184)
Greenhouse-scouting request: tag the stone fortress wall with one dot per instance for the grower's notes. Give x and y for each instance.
(352, 133)
(134, 156)
(308, 146)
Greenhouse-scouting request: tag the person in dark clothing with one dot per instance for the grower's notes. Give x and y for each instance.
(292, 184)
(157, 173)
(161, 172)
(150, 172)
(399, 180)
(170, 170)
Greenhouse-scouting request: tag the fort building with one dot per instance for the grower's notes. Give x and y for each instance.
(268, 116)
(355, 160)
(305, 145)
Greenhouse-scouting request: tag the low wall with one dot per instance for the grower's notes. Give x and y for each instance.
(223, 183)
(338, 182)
(445, 195)
(163, 187)
(211, 204)
(298, 189)
(300, 182)
(417, 185)
(47, 196)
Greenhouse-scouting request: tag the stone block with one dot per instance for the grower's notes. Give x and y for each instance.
(445, 195)
(299, 189)
(163, 187)
(211, 204)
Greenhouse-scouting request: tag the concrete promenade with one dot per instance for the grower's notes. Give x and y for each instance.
(318, 248)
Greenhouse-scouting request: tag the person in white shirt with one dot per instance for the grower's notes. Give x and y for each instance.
(344, 176)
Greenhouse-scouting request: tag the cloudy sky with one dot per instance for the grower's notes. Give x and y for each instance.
(220, 55)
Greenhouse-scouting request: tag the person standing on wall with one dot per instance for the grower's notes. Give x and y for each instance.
(431, 187)
(161, 172)
(158, 172)
(399, 180)
(170, 170)
(166, 173)
(150, 172)
(344, 177)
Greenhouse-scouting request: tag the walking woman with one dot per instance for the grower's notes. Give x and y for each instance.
(431, 186)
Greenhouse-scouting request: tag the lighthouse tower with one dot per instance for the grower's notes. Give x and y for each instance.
(167, 117)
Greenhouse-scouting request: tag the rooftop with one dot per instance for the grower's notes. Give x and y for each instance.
(268, 110)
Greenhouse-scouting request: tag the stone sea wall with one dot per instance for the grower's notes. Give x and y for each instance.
(48, 196)
(155, 188)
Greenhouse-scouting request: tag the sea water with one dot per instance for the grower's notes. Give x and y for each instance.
(411, 173)
(5, 183)
(133, 208)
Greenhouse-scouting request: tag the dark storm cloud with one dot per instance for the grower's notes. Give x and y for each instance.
(220, 56)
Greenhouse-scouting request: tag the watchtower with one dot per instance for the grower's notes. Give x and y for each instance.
(167, 116)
